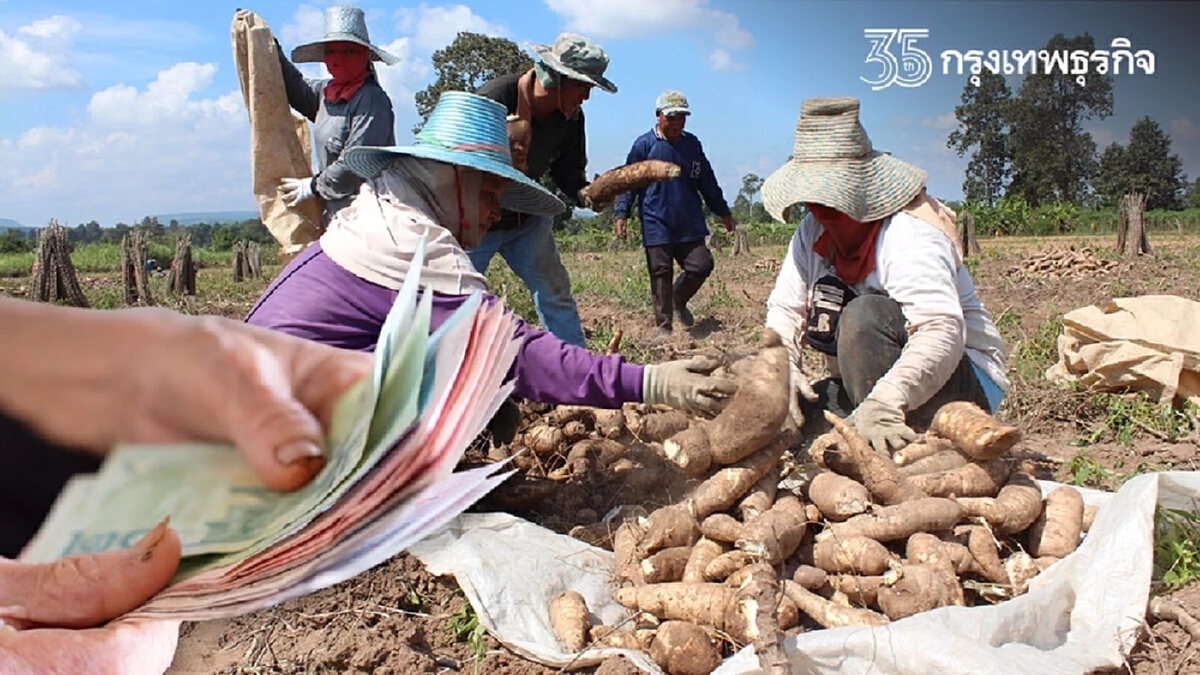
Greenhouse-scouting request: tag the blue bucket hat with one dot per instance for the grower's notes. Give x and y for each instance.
(342, 24)
(467, 130)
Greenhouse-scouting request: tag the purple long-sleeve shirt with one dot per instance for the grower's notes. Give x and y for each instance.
(315, 298)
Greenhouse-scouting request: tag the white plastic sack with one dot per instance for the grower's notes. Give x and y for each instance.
(1081, 614)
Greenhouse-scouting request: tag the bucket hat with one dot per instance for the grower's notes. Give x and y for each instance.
(834, 164)
(342, 24)
(468, 130)
(672, 102)
(578, 58)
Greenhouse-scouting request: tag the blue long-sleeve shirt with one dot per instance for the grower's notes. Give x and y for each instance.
(671, 211)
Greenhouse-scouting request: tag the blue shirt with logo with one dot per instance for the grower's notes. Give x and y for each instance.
(671, 211)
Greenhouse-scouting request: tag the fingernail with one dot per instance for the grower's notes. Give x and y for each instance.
(296, 451)
(13, 612)
(144, 548)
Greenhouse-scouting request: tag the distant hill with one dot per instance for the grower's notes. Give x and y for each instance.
(207, 217)
(9, 223)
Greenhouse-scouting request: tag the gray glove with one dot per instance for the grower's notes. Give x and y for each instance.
(686, 385)
(882, 426)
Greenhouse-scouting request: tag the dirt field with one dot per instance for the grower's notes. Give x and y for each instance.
(399, 619)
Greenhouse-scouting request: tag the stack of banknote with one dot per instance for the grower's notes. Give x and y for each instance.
(388, 480)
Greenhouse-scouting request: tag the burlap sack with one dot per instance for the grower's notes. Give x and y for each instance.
(279, 138)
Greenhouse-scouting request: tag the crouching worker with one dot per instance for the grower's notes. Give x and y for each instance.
(873, 280)
(446, 188)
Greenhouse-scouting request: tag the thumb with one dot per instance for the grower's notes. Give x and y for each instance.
(86, 590)
(277, 434)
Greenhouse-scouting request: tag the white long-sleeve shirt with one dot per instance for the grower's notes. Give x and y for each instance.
(917, 266)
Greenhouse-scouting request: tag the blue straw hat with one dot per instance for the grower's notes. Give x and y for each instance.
(468, 130)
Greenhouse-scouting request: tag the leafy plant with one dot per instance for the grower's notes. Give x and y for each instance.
(464, 626)
(1176, 546)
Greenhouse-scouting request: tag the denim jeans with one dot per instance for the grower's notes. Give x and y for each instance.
(870, 336)
(530, 251)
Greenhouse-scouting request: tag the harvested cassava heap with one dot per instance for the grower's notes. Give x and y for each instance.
(1064, 263)
(869, 539)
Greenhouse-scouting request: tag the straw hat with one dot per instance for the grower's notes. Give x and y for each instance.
(578, 58)
(833, 164)
(342, 24)
(468, 130)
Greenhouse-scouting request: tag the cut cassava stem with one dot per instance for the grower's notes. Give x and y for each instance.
(973, 431)
(858, 461)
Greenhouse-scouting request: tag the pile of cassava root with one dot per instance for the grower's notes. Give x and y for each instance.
(867, 539)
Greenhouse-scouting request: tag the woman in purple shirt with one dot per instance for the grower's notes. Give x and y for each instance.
(446, 189)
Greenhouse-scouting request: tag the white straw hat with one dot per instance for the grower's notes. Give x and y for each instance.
(342, 24)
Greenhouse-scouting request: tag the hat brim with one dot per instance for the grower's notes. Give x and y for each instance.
(674, 110)
(314, 52)
(863, 189)
(547, 56)
(521, 195)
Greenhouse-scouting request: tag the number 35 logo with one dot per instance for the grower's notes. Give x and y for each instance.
(914, 66)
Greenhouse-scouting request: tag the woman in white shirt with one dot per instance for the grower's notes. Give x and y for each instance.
(874, 280)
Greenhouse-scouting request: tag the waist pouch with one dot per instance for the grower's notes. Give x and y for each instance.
(830, 296)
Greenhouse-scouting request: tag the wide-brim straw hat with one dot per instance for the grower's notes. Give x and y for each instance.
(833, 164)
(342, 24)
(468, 130)
(578, 58)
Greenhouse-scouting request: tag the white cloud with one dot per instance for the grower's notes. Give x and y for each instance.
(941, 122)
(435, 27)
(638, 18)
(722, 61)
(900, 121)
(1185, 130)
(307, 24)
(402, 80)
(58, 27)
(38, 56)
(137, 151)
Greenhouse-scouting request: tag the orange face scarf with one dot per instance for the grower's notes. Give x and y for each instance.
(850, 243)
(347, 63)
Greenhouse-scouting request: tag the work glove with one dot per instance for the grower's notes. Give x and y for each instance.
(800, 386)
(686, 385)
(296, 190)
(882, 426)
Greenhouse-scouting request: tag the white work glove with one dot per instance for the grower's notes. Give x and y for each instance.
(882, 426)
(686, 385)
(296, 190)
(799, 385)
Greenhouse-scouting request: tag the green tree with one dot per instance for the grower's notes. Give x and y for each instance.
(984, 133)
(467, 64)
(1146, 165)
(1193, 199)
(744, 202)
(1053, 159)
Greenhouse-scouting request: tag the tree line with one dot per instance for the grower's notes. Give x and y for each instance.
(1030, 146)
(218, 236)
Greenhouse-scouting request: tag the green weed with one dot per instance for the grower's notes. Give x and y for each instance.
(1176, 547)
(464, 626)
(1128, 416)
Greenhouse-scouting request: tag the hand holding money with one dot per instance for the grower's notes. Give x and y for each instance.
(157, 376)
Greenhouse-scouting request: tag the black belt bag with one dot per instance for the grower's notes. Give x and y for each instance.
(830, 296)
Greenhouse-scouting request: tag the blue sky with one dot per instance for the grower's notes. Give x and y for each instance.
(112, 111)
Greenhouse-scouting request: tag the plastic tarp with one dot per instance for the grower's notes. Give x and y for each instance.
(1082, 613)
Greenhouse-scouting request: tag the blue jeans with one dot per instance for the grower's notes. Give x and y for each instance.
(530, 251)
